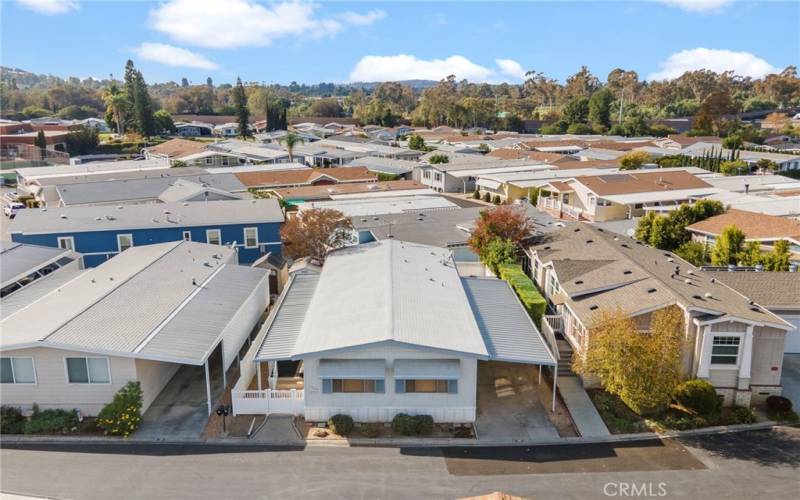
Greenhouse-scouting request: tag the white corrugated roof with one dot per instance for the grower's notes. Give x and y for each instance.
(18, 260)
(286, 319)
(390, 291)
(509, 333)
(151, 301)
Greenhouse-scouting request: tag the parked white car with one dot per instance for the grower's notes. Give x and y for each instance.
(12, 208)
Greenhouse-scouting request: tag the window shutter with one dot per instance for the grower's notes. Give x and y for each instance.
(399, 386)
(327, 386)
(452, 386)
(380, 386)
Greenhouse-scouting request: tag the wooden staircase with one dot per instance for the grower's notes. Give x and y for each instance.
(564, 358)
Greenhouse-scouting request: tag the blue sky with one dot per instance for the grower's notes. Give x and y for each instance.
(346, 41)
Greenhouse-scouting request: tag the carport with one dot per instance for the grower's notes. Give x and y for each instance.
(509, 333)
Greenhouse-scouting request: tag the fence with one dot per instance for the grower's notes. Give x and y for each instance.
(250, 402)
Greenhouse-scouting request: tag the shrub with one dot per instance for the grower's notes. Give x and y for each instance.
(496, 200)
(341, 424)
(476, 195)
(11, 420)
(122, 415)
(684, 422)
(487, 197)
(779, 404)
(741, 415)
(409, 425)
(530, 297)
(371, 430)
(698, 396)
(51, 422)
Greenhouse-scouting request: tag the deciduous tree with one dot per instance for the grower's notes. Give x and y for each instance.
(315, 232)
(505, 222)
(728, 246)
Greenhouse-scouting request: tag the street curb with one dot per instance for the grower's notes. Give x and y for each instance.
(387, 443)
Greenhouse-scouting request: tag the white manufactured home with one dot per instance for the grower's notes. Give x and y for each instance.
(387, 327)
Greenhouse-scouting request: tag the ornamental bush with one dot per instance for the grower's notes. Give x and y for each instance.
(371, 430)
(413, 425)
(741, 415)
(698, 396)
(423, 425)
(122, 415)
(403, 424)
(530, 297)
(341, 424)
(52, 422)
(11, 420)
(487, 197)
(779, 404)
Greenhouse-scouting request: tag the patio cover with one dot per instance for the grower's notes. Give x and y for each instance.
(363, 369)
(427, 369)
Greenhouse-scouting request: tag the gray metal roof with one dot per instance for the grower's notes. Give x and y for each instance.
(195, 330)
(509, 333)
(384, 165)
(286, 318)
(390, 291)
(138, 190)
(29, 294)
(187, 190)
(147, 215)
(437, 228)
(18, 260)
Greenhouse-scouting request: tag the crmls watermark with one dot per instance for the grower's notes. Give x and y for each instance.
(640, 490)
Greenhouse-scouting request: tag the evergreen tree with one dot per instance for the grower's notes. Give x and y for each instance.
(242, 112)
(209, 83)
(41, 143)
(184, 82)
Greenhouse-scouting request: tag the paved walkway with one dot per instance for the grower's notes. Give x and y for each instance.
(509, 409)
(583, 412)
(278, 429)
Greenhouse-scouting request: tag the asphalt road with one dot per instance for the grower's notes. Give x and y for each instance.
(759, 464)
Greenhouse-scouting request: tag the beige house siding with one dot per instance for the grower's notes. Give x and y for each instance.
(52, 389)
(767, 354)
(153, 376)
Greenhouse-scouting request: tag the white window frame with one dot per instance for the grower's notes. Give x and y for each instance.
(13, 375)
(68, 240)
(218, 232)
(88, 373)
(731, 366)
(255, 229)
(119, 241)
(187, 236)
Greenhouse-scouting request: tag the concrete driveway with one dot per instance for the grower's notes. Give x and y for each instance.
(790, 378)
(180, 411)
(509, 409)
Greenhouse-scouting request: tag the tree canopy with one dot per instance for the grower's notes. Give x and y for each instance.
(315, 232)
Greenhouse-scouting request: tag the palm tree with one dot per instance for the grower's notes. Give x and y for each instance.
(290, 140)
(116, 100)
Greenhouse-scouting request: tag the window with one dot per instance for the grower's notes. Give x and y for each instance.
(554, 288)
(437, 177)
(124, 242)
(213, 237)
(225, 161)
(187, 236)
(250, 237)
(66, 242)
(209, 160)
(426, 386)
(17, 371)
(426, 174)
(725, 350)
(88, 371)
(340, 385)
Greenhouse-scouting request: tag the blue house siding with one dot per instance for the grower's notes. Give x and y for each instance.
(99, 246)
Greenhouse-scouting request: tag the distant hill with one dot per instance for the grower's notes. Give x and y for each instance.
(414, 84)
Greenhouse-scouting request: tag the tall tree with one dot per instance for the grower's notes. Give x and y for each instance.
(290, 140)
(728, 246)
(600, 107)
(184, 82)
(116, 101)
(316, 232)
(139, 103)
(41, 143)
(242, 112)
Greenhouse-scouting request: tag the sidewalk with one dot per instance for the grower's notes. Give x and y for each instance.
(583, 412)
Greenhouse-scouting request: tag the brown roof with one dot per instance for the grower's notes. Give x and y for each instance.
(324, 192)
(177, 148)
(685, 140)
(550, 143)
(620, 146)
(753, 225)
(560, 186)
(772, 289)
(641, 182)
(522, 154)
(295, 177)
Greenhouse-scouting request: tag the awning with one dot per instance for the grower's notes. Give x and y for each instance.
(427, 369)
(363, 369)
(487, 183)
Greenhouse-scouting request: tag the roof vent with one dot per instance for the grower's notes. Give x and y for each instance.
(63, 216)
(713, 280)
(670, 259)
(697, 297)
(577, 229)
(363, 220)
(687, 281)
(589, 241)
(592, 308)
(625, 245)
(651, 290)
(110, 217)
(166, 212)
(755, 309)
(44, 209)
(707, 295)
(194, 282)
(689, 271)
(120, 207)
(627, 271)
(579, 282)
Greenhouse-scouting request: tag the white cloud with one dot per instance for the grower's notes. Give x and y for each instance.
(408, 67)
(173, 56)
(243, 23)
(718, 60)
(510, 67)
(356, 19)
(698, 5)
(49, 7)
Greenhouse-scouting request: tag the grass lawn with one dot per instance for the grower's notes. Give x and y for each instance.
(617, 416)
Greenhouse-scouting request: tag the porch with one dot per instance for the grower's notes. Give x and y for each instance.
(554, 200)
(269, 388)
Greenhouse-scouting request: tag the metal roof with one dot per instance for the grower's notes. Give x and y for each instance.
(29, 294)
(193, 332)
(186, 190)
(121, 190)
(383, 205)
(147, 216)
(390, 291)
(18, 260)
(384, 165)
(507, 329)
(286, 319)
(91, 168)
(168, 302)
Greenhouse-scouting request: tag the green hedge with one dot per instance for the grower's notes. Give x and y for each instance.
(533, 301)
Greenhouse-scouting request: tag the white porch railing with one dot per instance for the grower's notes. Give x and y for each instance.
(556, 322)
(547, 202)
(291, 402)
(550, 336)
(572, 212)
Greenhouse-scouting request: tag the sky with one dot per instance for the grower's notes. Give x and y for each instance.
(294, 40)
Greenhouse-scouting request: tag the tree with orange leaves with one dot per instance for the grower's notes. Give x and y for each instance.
(504, 222)
(313, 233)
